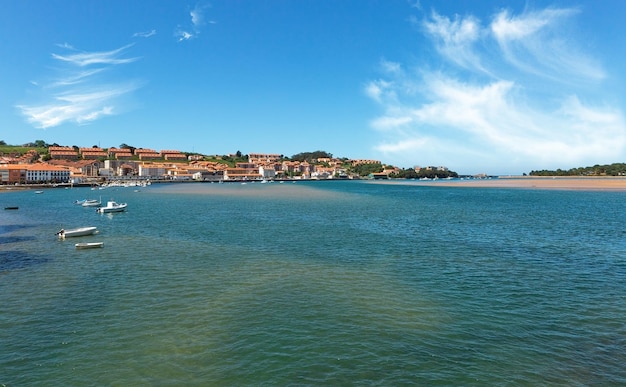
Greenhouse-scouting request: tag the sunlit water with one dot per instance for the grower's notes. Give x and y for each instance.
(321, 283)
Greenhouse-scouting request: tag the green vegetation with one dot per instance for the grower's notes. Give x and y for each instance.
(410, 173)
(18, 150)
(125, 146)
(615, 169)
(366, 169)
(311, 157)
(228, 160)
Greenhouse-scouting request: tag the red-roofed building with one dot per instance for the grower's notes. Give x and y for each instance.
(173, 155)
(147, 154)
(63, 153)
(120, 153)
(13, 173)
(93, 153)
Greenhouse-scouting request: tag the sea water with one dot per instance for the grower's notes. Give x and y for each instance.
(318, 283)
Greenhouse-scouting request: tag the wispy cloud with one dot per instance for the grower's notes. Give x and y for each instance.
(79, 93)
(455, 38)
(76, 77)
(415, 4)
(498, 98)
(183, 35)
(198, 21)
(95, 58)
(144, 34)
(197, 15)
(534, 43)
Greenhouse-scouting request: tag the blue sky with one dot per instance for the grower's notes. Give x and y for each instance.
(498, 87)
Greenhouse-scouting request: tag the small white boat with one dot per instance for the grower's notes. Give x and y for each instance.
(75, 232)
(112, 207)
(91, 203)
(89, 245)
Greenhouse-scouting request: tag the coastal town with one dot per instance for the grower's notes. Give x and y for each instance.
(95, 165)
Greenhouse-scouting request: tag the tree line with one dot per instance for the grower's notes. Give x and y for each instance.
(615, 169)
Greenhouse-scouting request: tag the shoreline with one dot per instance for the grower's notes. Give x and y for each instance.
(595, 183)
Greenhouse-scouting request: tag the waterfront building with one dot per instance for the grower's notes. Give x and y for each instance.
(13, 173)
(46, 173)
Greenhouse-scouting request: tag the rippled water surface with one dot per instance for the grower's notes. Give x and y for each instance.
(320, 283)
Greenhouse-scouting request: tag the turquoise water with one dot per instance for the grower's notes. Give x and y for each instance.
(320, 283)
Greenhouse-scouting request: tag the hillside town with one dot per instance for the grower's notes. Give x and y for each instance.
(74, 165)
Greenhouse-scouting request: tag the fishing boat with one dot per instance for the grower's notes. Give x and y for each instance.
(89, 245)
(112, 206)
(11, 208)
(76, 232)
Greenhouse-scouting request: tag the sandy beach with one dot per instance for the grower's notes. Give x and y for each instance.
(564, 183)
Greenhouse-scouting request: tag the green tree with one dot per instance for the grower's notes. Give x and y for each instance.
(311, 157)
(366, 169)
(125, 146)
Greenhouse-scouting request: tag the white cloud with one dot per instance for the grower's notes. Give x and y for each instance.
(76, 77)
(78, 94)
(197, 16)
(493, 123)
(76, 106)
(95, 58)
(497, 118)
(455, 38)
(415, 4)
(197, 22)
(506, 27)
(183, 35)
(144, 34)
(66, 46)
(379, 90)
(391, 67)
(534, 43)
(392, 122)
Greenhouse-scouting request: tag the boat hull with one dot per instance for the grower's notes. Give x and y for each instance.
(76, 232)
(89, 245)
(112, 207)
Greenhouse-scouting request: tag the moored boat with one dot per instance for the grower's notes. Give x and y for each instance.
(75, 232)
(112, 206)
(89, 245)
(91, 203)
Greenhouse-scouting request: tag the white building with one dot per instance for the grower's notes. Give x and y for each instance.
(152, 170)
(36, 173)
(267, 173)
